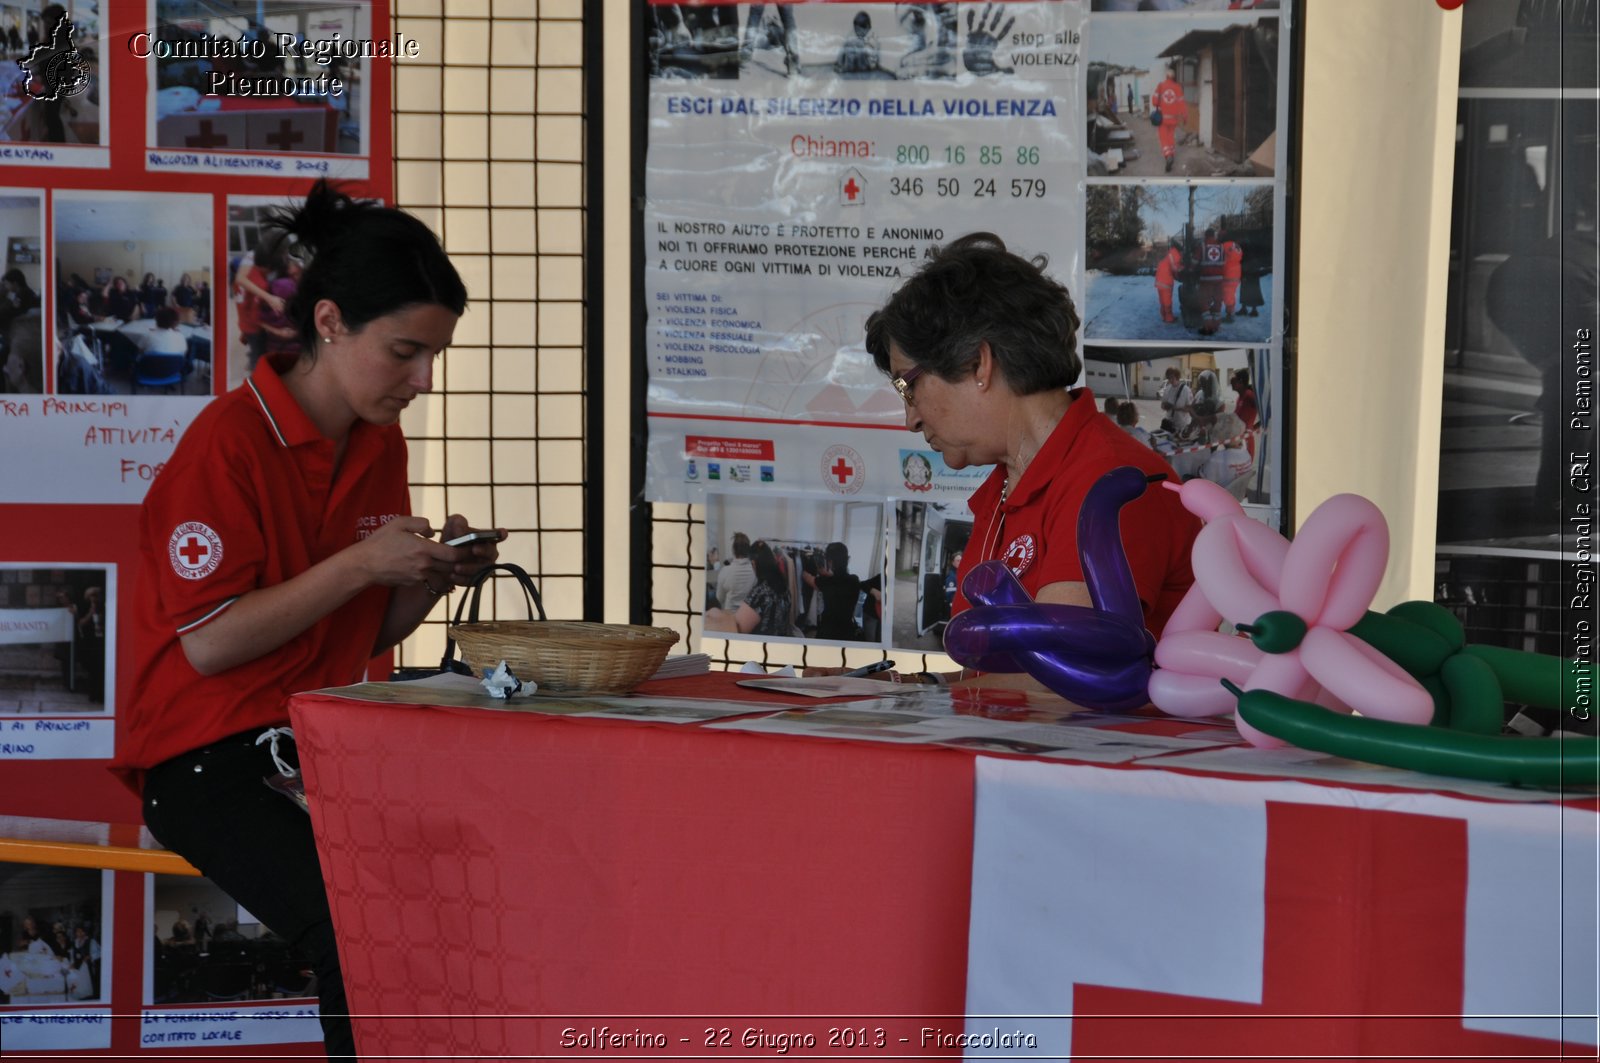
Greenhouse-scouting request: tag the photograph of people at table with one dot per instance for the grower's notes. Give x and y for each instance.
(52, 923)
(121, 262)
(1179, 263)
(794, 568)
(293, 93)
(1199, 410)
(208, 948)
(981, 344)
(278, 553)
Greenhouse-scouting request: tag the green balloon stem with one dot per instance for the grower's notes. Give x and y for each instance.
(1279, 631)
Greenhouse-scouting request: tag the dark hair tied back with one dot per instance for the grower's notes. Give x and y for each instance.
(369, 260)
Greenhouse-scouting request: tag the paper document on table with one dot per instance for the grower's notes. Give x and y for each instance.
(682, 665)
(834, 686)
(447, 681)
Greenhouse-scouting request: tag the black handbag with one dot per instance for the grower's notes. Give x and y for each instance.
(467, 613)
(1155, 116)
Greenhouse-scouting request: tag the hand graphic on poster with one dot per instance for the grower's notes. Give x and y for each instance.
(984, 34)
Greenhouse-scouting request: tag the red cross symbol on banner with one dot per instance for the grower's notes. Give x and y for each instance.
(206, 138)
(194, 550)
(286, 137)
(842, 470)
(1363, 956)
(851, 189)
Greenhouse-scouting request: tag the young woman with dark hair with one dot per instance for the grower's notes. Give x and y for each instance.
(278, 553)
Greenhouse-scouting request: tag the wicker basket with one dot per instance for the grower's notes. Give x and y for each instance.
(567, 656)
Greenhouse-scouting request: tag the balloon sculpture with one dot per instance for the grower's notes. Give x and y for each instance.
(1315, 651)
(1098, 657)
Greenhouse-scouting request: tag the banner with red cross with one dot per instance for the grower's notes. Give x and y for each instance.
(1156, 915)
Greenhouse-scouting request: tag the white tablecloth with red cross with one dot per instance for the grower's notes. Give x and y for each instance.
(1145, 914)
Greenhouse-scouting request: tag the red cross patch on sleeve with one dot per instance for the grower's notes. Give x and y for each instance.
(195, 550)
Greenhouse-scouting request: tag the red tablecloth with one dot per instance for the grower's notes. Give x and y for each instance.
(490, 864)
(512, 884)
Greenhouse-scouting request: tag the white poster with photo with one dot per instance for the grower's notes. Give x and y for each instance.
(58, 637)
(56, 956)
(58, 101)
(102, 407)
(203, 948)
(291, 100)
(803, 159)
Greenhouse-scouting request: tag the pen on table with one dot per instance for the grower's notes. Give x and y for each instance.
(857, 673)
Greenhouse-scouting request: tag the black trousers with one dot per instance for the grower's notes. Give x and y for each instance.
(211, 807)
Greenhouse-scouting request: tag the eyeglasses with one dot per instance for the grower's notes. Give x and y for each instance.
(903, 382)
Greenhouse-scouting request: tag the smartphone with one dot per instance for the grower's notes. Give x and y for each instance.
(473, 537)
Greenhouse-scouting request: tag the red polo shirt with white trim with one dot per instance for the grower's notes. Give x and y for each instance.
(251, 498)
(1036, 529)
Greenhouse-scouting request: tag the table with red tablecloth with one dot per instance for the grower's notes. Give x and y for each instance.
(516, 884)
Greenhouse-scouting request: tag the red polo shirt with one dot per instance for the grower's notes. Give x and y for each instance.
(250, 499)
(1036, 530)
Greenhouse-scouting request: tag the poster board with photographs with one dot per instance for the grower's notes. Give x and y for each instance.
(117, 246)
(769, 239)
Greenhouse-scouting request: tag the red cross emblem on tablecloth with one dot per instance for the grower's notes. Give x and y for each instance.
(1362, 959)
(206, 138)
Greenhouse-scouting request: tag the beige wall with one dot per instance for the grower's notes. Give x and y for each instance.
(1377, 135)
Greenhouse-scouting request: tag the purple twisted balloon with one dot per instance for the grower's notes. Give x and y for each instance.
(1099, 657)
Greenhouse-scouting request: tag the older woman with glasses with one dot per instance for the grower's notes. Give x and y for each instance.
(982, 346)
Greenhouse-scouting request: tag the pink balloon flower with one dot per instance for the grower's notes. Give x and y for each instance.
(1296, 600)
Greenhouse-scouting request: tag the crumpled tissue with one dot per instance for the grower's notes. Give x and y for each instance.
(500, 683)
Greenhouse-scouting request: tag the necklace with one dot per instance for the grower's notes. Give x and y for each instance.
(996, 524)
